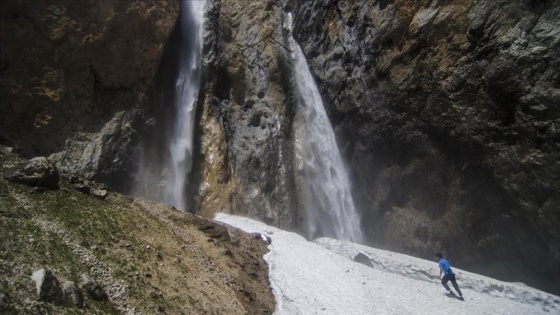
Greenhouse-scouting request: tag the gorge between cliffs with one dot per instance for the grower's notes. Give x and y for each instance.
(413, 126)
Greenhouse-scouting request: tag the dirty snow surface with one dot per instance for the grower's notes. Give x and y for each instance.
(321, 277)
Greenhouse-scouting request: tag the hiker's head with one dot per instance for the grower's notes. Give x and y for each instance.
(439, 256)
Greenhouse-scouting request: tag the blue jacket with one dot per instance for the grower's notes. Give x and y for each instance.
(445, 266)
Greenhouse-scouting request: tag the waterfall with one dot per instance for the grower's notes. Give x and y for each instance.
(329, 207)
(165, 176)
(187, 86)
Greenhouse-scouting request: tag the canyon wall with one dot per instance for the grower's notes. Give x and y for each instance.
(446, 112)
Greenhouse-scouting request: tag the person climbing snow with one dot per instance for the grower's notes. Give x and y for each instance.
(448, 275)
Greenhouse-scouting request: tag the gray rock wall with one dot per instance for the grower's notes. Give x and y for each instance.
(245, 129)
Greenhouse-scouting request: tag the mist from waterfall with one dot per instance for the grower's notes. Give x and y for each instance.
(168, 173)
(329, 207)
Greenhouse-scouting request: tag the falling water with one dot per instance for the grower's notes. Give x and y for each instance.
(329, 207)
(165, 177)
(187, 87)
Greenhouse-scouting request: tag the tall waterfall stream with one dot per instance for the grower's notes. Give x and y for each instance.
(187, 86)
(329, 207)
(172, 172)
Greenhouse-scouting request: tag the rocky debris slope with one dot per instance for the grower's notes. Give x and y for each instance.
(121, 255)
(448, 114)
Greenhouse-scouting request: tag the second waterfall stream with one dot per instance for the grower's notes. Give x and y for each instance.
(328, 204)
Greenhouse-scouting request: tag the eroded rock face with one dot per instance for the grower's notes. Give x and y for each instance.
(448, 114)
(246, 114)
(74, 77)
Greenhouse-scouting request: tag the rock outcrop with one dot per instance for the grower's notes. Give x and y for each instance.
(38, 172)
(245, 114)
(75, 77)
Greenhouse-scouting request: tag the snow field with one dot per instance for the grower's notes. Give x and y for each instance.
(321, 278)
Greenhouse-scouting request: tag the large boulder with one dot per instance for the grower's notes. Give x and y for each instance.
(38, 172)
(48, 286)
(363, 259)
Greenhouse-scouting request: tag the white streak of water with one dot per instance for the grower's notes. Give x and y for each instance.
(329, 207)
(180, 145)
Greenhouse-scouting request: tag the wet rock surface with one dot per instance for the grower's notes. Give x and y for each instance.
(246, 114)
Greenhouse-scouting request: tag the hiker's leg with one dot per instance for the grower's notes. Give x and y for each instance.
(444, 282)
(454, 282)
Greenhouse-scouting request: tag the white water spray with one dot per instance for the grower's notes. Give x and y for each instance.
(187, 87)
(329, 207)
(164, 177)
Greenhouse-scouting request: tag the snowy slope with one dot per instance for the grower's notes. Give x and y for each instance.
(321, 278)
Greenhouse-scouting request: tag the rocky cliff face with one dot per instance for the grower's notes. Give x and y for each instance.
(245, 164)
(448, 114)
(75, 75)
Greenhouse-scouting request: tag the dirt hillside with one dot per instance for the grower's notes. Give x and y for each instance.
(147, 257)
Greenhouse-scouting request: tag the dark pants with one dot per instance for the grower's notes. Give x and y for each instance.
(453, 281)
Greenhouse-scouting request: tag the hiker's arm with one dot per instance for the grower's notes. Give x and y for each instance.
(440, 273)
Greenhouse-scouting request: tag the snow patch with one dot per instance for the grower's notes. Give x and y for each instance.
(39, 276)
(425, 270)
(322, 278)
